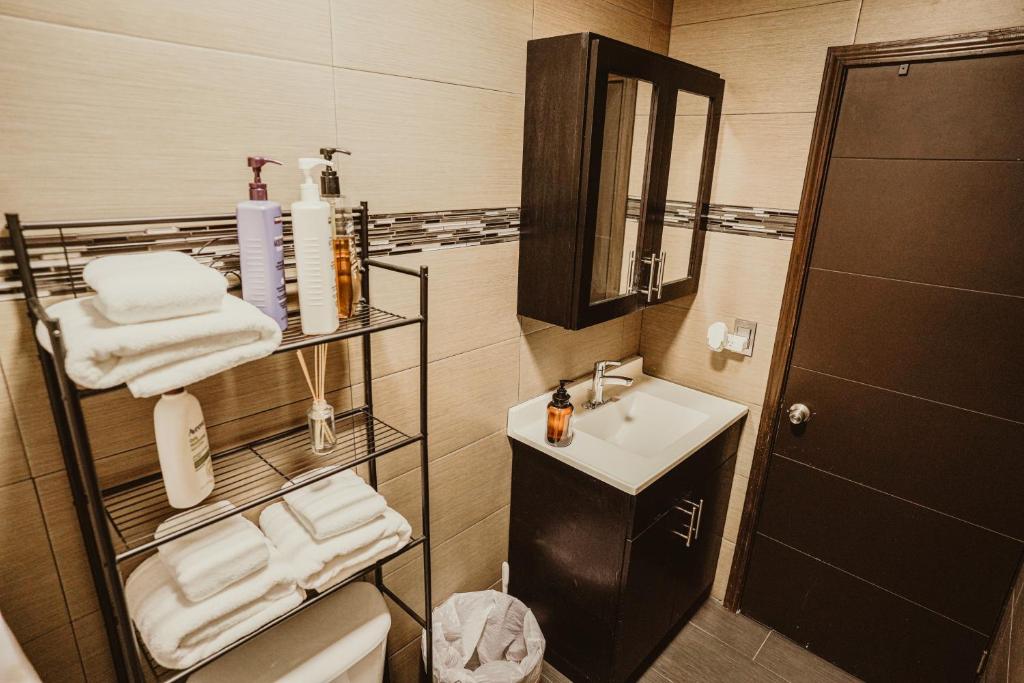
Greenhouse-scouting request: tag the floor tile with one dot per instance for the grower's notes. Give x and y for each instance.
(797, 665)
(695, 655)
(735, 630)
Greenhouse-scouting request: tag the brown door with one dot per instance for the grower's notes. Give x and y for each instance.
(891, 521)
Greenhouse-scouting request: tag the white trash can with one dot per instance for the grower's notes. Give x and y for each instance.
(340, 639)
(484, 637)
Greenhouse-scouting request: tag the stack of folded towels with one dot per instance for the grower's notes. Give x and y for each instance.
(158, 321)
(332, 529)
(207, 589)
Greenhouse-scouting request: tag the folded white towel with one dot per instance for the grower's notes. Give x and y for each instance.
(320, 563)
(334, 505)
(178, 632)
(156, 357)
(207, 561)
(138, 288)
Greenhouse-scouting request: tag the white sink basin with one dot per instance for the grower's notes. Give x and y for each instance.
(642, 432)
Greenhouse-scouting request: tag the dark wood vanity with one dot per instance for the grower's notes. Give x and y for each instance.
(618, 156)
(611, 575)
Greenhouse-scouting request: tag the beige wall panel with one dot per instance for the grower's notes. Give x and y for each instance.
(468, 399)
(420, 145)
(558, 17)
(94, 648)
(54, 656)
(770, 62)
(30, 593)
(741, 277)
(289, 29)
(125, 127)
(466, 486)
(673, 344)
(470, 561)
(748, 439)
(662, 11)
(13, 466)
(886, 20)
(473, 42)
(761, 160)
(661, 35)
(406, 663)
(66, 542)
(722, 573)
(642, 7)
(736, 498)
(693, 11)
(555, 353)
(472, 304)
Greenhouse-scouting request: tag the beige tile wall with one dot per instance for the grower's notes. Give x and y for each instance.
(771, 54)
(144, 108)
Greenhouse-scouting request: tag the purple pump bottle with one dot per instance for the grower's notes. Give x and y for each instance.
(261, 248)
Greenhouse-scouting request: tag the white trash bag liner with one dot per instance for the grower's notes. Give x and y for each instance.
(485, 637)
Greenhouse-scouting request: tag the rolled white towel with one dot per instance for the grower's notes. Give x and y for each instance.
(334, 505)
(179, 632)
(320, 563)
(156, 357)
(138, 288)
(207, 561)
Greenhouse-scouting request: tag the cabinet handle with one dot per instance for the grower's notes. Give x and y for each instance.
(630, 284)
(651, 261)
(695, 511)
(661, 272)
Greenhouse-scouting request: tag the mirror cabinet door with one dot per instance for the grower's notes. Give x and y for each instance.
(625, 142)
(682, 211)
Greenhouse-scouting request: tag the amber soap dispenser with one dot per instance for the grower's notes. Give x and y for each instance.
(560, 417)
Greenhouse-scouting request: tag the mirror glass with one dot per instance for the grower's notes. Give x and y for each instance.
(623, 162)
(683, 183)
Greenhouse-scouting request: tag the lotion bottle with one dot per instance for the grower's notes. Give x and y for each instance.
(183, 448)
(314, 255)
(261, 248)
(560, 410)
(346, 266)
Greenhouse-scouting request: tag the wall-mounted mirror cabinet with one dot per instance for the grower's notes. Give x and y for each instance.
(618, 155)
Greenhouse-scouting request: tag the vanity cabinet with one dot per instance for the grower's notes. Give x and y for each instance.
(609, 575)
(618, 156)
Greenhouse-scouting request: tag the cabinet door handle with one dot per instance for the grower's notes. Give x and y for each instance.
(695, 511)
(652, 261)
(630, 285)
(661, 272)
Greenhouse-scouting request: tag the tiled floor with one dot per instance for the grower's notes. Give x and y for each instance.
(718, 646)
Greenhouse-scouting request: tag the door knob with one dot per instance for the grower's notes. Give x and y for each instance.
(799, 413)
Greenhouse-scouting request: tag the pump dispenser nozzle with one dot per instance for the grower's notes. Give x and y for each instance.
(330, 183)
(309, 190)
(258, 188)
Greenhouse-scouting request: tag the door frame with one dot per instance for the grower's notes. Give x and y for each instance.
(838, 62)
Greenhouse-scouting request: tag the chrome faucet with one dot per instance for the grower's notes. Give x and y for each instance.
(600, 379)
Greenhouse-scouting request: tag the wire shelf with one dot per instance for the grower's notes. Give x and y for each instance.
(246, 476)
(365, 319)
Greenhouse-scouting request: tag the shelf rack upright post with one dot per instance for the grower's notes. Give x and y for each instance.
(118, 523)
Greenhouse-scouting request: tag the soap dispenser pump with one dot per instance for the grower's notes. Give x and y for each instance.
(314, 255)
(346, 261)
(560, 410)
(261, 247)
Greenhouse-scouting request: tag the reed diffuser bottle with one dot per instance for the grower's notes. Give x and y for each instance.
(320, 416)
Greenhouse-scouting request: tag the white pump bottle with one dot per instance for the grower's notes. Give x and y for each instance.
(314, 255)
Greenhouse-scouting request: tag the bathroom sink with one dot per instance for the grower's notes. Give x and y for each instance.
(637, 435)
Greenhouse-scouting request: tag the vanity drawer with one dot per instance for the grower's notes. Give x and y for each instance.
(663, 495)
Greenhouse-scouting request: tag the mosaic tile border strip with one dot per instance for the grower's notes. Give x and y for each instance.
(59, 254)
(58, 257)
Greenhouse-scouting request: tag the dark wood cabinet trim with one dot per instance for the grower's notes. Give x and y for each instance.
(838, 62)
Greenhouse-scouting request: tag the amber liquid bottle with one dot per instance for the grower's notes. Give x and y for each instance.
(343, 268)
(559, 432)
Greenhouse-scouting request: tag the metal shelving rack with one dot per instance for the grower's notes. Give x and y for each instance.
(118, 523)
